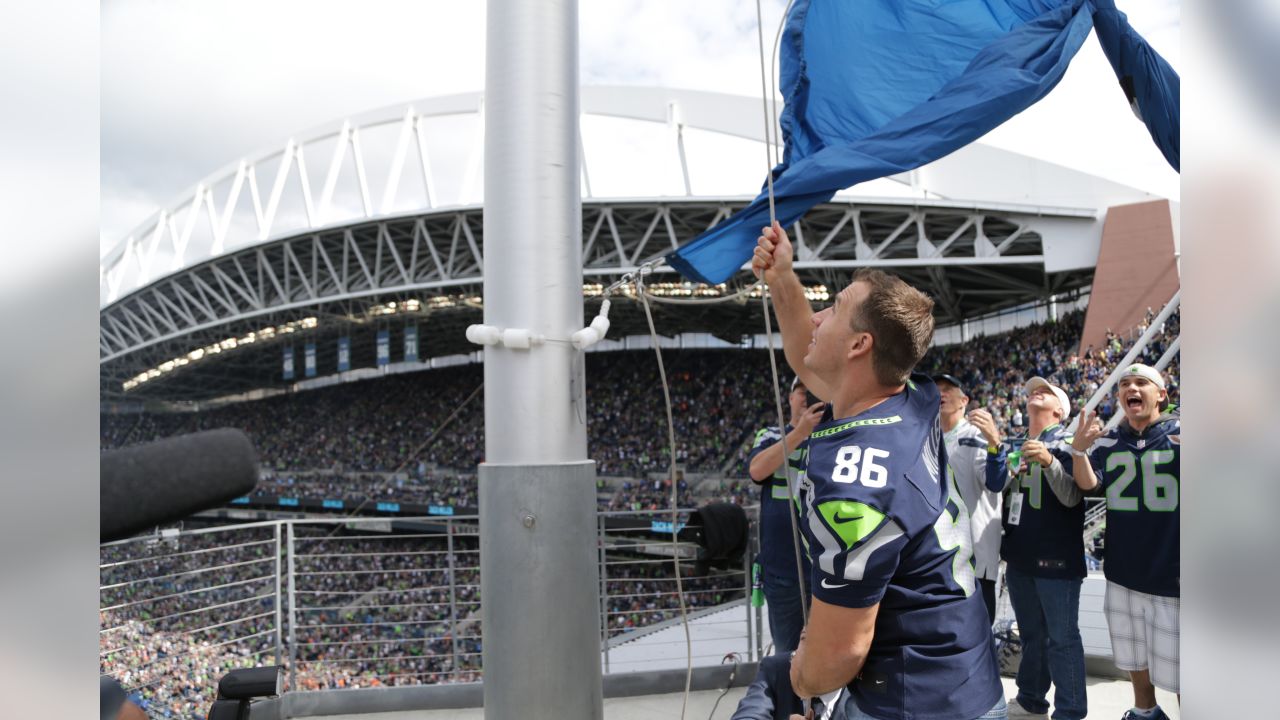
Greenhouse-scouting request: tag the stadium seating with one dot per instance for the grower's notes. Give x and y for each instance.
(372, 440)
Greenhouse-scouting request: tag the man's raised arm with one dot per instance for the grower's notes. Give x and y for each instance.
(1089, 431)
(773, 256)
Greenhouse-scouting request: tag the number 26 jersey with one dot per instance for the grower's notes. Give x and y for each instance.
(1140, 473)
(884, 523)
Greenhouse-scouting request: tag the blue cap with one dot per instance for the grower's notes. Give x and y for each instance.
(949, 379)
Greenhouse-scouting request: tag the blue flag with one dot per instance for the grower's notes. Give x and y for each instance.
(1149, 83)
(880, 87)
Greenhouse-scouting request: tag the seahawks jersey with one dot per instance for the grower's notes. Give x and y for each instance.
(1139, 474)
(884, 524)
(969, 461)
(777, 550)
(1043, 536)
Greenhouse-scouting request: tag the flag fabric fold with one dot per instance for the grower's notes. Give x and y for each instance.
(1149, 83)
(881, 87)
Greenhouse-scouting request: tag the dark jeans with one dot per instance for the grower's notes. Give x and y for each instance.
(1048, 614)
(786, 617)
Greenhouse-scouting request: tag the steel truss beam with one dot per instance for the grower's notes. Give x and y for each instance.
(340, 272)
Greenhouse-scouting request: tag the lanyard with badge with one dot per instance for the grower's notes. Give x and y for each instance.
(1015, 463)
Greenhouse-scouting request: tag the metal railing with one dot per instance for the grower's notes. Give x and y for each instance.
(1095, 515)
(368, 602)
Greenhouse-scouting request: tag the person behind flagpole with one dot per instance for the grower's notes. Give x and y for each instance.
(777, 556)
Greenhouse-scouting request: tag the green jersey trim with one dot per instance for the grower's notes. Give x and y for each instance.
(856, 423)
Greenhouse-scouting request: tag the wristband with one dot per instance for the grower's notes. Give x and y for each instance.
(993, 449)
(1078, 453)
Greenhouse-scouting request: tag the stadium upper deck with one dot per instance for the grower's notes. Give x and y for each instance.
(201, 300)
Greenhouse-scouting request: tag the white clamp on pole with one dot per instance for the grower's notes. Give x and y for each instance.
(520, 339)
(509, 337)
(484, 334)
(595, 332)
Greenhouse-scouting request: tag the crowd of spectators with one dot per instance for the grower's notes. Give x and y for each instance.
(379, 425)
(641, 592)
(651, 495)
(456, 489)
(994, 368)
(178, 613)
(387, 439)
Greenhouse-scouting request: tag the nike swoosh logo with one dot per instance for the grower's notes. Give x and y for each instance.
(829, 586)
(840, 519)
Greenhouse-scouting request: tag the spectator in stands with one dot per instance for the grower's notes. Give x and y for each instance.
(779, 555)
(971, 462)
(1138, 465)
(1043, 549)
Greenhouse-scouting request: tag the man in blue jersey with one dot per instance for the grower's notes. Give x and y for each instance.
(895, 617)
(1137, 466)
(1043, 549)
(777, 546)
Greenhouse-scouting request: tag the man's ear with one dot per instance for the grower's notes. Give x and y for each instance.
(860, 344)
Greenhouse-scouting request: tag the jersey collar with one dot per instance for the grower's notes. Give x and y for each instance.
(1049, 429)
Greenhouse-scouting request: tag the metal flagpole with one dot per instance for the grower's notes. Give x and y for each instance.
(538, 567)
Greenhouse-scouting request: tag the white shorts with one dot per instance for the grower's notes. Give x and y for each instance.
(1144, 633)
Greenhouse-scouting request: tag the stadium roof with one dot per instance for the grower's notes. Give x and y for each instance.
(385, 228)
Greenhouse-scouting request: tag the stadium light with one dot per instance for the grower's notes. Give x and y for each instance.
(226, 344)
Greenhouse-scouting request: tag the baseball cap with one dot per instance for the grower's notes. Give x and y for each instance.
(1038, 382)
(949, 379)
(1146, 371)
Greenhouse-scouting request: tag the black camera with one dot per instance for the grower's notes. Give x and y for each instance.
(238, 688)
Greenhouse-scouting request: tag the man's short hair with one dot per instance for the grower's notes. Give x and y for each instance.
(900, 318)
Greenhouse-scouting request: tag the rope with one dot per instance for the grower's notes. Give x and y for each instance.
(768, 100)
(792, 481)
(771, 131)
(764, 105)
(744, 292)
(675, 490)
